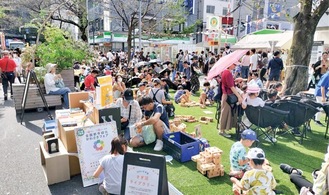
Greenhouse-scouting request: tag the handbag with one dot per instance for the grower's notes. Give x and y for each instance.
(59, 83)
(231, 99)
(124, 125)
(148, 134)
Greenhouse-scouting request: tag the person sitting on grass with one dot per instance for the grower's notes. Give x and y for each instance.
(182, 96)
(156, 116)
(207, 94)
(238, 153)
(320, 183)
(112, 165)
(257, 180)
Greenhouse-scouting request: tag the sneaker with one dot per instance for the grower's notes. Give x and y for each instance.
(319, 123)
(6, 98)
(286, 168)
(289, 169)
(224, 134)
(158, 146)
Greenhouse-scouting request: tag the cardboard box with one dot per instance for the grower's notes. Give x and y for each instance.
(75, 97)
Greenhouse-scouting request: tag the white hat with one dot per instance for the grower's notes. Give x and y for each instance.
(253, 88)
(256, 153)
(49, 66)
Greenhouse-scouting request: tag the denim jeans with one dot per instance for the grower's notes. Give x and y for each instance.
(8, 81)
(65, 93)
(244, 71)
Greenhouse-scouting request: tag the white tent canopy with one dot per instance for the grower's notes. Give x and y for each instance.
(281, 40)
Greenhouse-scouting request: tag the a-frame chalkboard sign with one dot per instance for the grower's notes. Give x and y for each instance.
(32, 75)
(144, 174)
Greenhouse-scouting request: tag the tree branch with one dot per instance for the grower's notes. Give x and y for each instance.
(320, 10)
(66, 21)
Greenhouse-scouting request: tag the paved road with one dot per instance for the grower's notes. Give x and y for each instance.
(20, 165)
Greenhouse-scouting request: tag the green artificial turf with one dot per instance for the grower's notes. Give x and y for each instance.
(186, 178)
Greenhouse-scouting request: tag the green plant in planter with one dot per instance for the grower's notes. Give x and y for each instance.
(40, 73)
(61, 49)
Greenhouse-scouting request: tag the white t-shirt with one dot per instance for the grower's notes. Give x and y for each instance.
(251, 102)
(253, 61)
(112, 168)
(50, 83)
(109, 56)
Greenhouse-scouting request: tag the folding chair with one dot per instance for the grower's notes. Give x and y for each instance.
(265, 117)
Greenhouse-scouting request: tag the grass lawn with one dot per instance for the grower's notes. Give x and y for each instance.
(186, 178)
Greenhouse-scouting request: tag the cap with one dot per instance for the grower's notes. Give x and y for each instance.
(180, 87)
(256, 153)
(107, 67)
(156, 80)
(49, 66)
(128, 94)
(253, 89)
(249, 134)
(141, 84)
(5, 52)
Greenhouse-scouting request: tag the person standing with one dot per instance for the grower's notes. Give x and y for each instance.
(228, 88)
(195, 83)
(321, 90)
(253, 60)
(321, 67)
(90, 81)
(7, 70)
(245, 62)
(275, 66)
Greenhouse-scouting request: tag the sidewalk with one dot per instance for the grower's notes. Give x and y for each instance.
(20, 164)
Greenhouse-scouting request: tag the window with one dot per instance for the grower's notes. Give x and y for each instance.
(225, 11)
(210, 9)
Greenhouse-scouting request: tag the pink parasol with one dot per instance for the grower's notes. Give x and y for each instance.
(224, 62)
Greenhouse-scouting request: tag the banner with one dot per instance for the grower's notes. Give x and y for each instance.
(93, 143)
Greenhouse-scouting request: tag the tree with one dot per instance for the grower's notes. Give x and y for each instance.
(156, 11)
(72, 12)
(305, 23)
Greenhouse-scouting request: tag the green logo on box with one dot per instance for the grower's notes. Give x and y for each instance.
(80, 132)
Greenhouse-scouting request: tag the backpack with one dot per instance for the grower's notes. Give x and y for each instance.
(170, 109)
(154, 94)
(212, 60)
(320, 185)
(219, 93)
(200, 59)
(260, 63)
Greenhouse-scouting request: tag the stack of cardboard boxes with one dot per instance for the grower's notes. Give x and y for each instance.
(209, 162)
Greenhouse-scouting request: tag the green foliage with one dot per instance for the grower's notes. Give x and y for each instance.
(61, 49)
(2, 12)
(40, 72)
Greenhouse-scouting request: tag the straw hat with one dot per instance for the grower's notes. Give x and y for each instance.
(253, 89)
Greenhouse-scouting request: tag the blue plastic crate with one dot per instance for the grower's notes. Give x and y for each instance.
(180, 145)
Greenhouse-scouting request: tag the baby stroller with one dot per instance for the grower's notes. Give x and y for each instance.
(264, 118)
(300, 113)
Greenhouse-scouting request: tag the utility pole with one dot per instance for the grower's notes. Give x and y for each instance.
(239, 19)
(140, 25)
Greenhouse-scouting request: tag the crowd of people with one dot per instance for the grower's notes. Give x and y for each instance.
(141, 90)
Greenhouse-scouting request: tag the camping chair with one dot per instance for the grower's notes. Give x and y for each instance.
(300, 114)
(265, 117)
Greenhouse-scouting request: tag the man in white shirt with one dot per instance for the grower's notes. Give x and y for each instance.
(253, 60)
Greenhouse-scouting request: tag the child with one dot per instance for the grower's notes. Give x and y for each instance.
(257, 180)
(112, 165)
(207, 94)
(238, 159)
(181, 95)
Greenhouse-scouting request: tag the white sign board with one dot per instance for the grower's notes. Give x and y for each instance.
(142, 180)
(93, 143)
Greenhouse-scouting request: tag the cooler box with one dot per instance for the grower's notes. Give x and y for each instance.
(180, 145)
